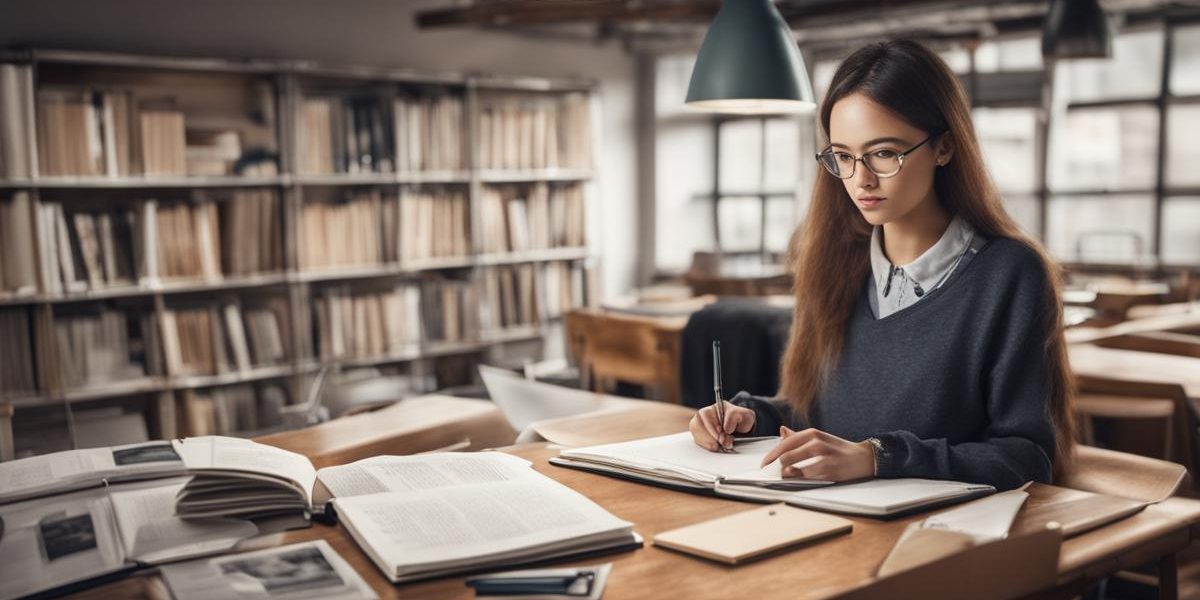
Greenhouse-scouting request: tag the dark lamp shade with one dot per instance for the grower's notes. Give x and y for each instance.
(1076, 29)
(749, 63)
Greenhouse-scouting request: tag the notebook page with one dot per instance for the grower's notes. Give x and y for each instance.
(677, 453)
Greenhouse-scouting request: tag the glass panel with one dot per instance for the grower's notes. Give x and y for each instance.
(1183, 150)
(741, 155)
(740, 220)
(1181, 231)
(671, 77)
(1007, 136)
(683, 185)
(783, 154)
(958, 59)
(1134, 71)
(1105, 149)
(1024, 210)
(1185, 65)
(1100, 229)
(1017, 54)
(822, 76)
(783, 215)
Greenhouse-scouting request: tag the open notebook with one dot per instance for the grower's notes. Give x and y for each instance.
(430, 515)
(676, 461)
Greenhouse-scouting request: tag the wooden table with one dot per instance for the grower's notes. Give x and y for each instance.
(1091, 361)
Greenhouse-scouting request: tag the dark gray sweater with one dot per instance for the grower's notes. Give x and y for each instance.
(954, 386)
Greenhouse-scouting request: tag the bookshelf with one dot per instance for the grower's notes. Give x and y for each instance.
(188, 242)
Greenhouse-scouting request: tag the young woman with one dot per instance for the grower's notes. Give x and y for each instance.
(927, 336)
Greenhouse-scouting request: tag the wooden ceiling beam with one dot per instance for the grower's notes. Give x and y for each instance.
(547, 12)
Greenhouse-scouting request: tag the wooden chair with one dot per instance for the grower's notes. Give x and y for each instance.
(611, 347)
(1163, 342)
(1145, 426)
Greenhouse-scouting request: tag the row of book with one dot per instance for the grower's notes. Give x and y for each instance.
(529, 294)
(116, 133)
(429, 134)
(234, 409)
(16, 119)
(345, 134)
(541, 133)
(531, 217)
(450, 314)
(434, 224)
(225, 337)
(365, 325)
(98, 347)
(16, 370)
(355, 231)
(84, 249)
(18, 273)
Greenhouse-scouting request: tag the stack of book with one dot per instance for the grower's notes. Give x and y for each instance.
(97, 347)
(221, 338)
(232, 409)
(450, 314)
(344, 134)
(93, 249)
(188, 240)
(434, 224)
(359, 231)
(18, 274)
(535, 133)
(251, 233)
(533, 217)
(368, 325)
(529, 294)
(16, 370)
(429, 134)
(16, 121)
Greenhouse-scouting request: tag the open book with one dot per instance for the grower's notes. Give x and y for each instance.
(676, 461)
(431, 515)
(54, 543)
(78, 469)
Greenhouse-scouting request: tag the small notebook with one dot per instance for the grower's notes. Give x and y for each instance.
(742, 536)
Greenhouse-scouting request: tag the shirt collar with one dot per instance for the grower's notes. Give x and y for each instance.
(927, 269)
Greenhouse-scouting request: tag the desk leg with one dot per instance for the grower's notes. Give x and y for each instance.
(1168, 577)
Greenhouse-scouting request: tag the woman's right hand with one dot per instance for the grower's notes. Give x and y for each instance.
(711, 435)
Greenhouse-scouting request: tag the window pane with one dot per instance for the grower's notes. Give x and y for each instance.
(683, 185)
(741, 155)
(1101, 229)
(1105, 149)
(1183, 153)
(671, 77)
(822, 76)
(1009, 55)
(1181, 231)
(1185, 66)
(740, 219)
(957, 59)
(1133, 72)
(1024, 210)
(783, 215)
(783, 154)
(1007, 136)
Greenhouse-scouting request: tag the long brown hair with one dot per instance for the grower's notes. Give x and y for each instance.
(829, 254)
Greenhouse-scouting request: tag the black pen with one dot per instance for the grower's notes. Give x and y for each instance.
(719, 400)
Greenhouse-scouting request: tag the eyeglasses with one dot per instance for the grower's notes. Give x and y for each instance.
(883, 163)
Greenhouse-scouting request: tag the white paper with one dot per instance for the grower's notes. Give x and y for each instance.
(678, 454)
(151, 533)
(523, 401)
(220, 456)
(294, 572)
(422, 472)
(884, 495)
(985, 519)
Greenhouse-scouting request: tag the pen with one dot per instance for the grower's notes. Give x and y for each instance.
(719, 400)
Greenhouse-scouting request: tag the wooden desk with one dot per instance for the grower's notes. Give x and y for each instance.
(1093, 362)
(1187, 322)
(410, 426)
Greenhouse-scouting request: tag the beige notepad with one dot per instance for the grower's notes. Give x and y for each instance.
(745, 535)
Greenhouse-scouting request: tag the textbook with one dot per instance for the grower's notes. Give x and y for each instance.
(87, 536)
(430, 515)
(676, 461)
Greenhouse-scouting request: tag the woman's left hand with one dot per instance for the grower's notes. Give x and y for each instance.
(814, 454)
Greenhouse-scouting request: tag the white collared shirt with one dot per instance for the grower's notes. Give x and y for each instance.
(908, 284)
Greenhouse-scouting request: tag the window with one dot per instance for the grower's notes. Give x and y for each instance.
(1181, 231)
(1185, 66)
(1100, 229)
(1183, 151)
(1133, 71)
(1105, 149)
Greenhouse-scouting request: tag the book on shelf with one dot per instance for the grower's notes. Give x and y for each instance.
(345, 134)
(244, 409)
(431, 515)
(429, 133)
(433, 224)
(676, 461)
(293, 572)
(114, 132)
(16, 121)
(529, 294)
(70, 541)
(211, 338)
(368, 324)
(18, 273)
(449, 310)
(251, 232)
(519, 218)
(357, 230)
(535, 132)
(97, 346)
(16, 346)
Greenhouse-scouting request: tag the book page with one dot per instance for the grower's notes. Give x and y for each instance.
(678, 454)
(305, 570)
(442, 527)
(220, 453)
(73, 469)
(422, 472)
(151, 533)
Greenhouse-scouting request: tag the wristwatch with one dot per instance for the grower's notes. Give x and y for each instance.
(877, 452)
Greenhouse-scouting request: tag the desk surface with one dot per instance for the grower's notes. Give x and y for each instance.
(1110, 363)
